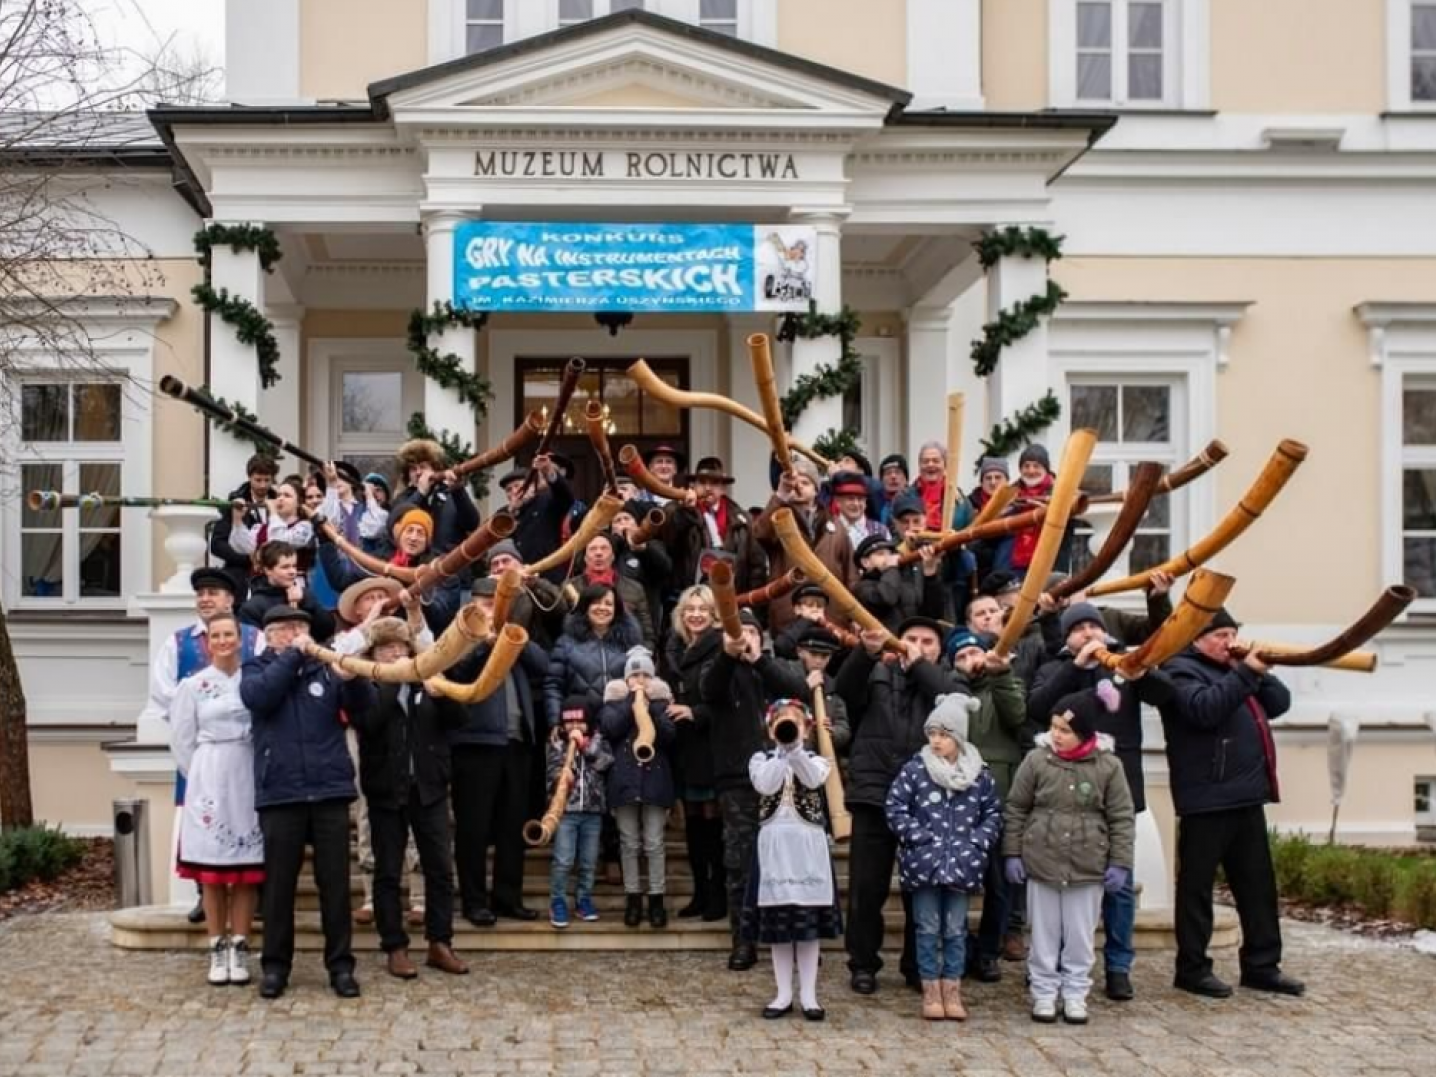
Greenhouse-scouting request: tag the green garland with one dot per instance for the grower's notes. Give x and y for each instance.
(261, 447)
(250, 326)
(239, 237)
(1012, 324)
(446, 368)
(1015, 242)
(455, 449)
(1018, 430)
(826, 381)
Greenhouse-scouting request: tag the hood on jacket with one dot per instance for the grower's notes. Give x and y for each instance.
(617, 689)
(624, 634)
(1105, 743)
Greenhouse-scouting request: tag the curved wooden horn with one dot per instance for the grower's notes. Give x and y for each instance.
(469, 629)
(842, 600)
(1204, 595)
(511, 582)
(1140, 490)
(598, 436)
(1279, 469)
(1340, 652)
(541, 831)
(1003, 525)
(785, 584)
(633, 466)
(507, 648)
(761, 354)
(528, 432)
(1215, 452)
(652, 523)
(643, 375)
(643, 749)
(1065, 492)
(571, 373)
(720, 582)
(996, 504)
(431, 574)
(595, 520)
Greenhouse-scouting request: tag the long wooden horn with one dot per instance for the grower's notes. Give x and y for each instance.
(651, 384)
(528, 432)
(507, 647)
(839, 818)
(595, 520)
(202, 401)
(1141, 488)
(720, 581)
(594, 420)
(1342, 651)
(511, 583)
(766, 380)
(955, 403)
(541, 831)
(631, 460)
(1279, 469)
(1054, 527)
(643, 749)
(375, 566)
(469, 629)
(1195, 468)
(842, 600)
(431, 574)
(996, 504)
(571, 373)
(1003, 525)
(785, 584)
(1204, 595)
(652, 523)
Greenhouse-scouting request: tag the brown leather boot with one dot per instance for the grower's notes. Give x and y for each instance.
(442, 957)
(952, 1005)
(401, 965)
(932, 1001)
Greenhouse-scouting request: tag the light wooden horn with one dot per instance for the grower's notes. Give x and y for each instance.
(1203, 597)
(766, 380)
(720, 582)
(469, 629)
(511, 583)
(595, 520)
(507, 648)
(996, 504)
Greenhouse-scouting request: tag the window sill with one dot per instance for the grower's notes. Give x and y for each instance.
(1425, 112)
(1134, 110)
(91, 616)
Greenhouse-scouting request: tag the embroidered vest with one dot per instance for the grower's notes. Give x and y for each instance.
(807, 802)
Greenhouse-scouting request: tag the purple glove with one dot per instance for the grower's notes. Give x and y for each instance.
(1115, 879)
(1014, 871)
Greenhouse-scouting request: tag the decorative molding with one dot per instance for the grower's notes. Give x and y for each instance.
(1379, 318)
(647, 71)
(628, 135)
(1219, 318)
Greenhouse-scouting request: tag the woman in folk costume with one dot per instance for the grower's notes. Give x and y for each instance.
(220, 845)
(792, 898)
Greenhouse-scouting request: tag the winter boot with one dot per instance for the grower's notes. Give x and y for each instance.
(952, 1000)
(932, 1009)
(657, 914)
(633, 911)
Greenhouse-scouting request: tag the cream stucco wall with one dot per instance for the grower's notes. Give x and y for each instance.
(1300, 334)
(1379, 799)
(72, 783)
(346, 44)
(1298, 55)
(866, 37)
(1014, 54)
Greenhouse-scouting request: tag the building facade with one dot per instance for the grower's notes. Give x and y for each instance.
(1245, 193)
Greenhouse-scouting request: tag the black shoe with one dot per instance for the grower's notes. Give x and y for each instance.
(693, 909)
(715, 907)
(1275, 981)
(481, 917)
(817, 1013)
(1206, 985)
(772, 1013)
(515, 912)
(633, 911)
(1119, 987)
(988, 971)
(864, 983)
(743, 957)
(272, 985)
(196, 914)
(657, 914)
(344, 984)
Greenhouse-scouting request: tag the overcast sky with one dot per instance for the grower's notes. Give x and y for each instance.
(142, 25)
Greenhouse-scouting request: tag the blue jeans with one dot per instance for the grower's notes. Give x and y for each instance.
(940, 925)
(578, 834)
(1119, 921)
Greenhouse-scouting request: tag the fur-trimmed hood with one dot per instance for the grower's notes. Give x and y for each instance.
(1105, 743)
(617, 689)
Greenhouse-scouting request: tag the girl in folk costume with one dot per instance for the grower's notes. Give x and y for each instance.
(943, 807)
(285, 523)
(220, 846)
(1070, 833)
(792, 900)
(364, 523)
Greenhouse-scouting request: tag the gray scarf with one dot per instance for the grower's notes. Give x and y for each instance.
(957, 775)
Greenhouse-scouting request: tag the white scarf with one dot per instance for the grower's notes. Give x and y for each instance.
(957, 775)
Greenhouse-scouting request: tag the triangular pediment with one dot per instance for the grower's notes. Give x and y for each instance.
(641, 66)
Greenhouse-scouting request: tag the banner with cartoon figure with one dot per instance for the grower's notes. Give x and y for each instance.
(568, 267)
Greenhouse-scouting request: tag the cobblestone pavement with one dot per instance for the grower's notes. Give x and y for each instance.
(71, 1004)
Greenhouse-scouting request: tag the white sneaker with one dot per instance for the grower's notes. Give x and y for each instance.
(219, 962)
(1074, 1011)
(1044, 1010)
(239, 961)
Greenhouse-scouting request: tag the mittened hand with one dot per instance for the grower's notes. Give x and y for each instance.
(1114, 879)
(1015, 872)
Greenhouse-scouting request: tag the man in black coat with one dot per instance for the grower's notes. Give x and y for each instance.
(538, 509)
(429, 485)
(1222, 760)
(736, 687)
(887, 706)
(404, 773)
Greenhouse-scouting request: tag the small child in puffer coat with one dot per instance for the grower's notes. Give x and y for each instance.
(640, 782)
(1070, 834)
(944, 810)
(579, 831)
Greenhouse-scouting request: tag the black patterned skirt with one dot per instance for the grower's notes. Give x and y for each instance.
(770, 924)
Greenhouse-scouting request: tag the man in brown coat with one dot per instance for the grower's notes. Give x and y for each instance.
(798, 490)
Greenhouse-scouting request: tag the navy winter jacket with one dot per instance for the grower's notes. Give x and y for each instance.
(629, 781)
(300, 751)
(946, 836)
(582, 664)
(486, 723)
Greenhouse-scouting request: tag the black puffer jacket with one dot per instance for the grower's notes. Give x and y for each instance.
(693, 753)
(886, 710)
(582, 663)
(264, 595)
(400, 747)
(1219, 749)
(737, 694)
(629, 781)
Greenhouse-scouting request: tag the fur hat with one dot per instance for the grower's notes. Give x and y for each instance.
(389, 630)
(951, 714)
(420, 451)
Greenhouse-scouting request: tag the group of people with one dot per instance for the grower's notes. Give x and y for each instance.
(1014, 772)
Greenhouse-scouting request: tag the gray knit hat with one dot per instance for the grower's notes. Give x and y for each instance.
(993, 463)
(639, 661)
(803, 466)
(951, 715)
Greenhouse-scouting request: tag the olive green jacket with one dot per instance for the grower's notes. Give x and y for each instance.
(995, 730)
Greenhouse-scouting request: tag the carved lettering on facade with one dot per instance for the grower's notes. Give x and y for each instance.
(635, 164)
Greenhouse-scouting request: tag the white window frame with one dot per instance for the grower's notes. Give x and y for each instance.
(736, 21)
(881, 396)
(1399, 50)
(330, 358)
(1427, 818)
(1186, 56)
(122, 335)
(1402, 345)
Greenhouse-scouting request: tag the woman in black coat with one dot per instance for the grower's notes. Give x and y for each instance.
(695, 642)
(596, 639)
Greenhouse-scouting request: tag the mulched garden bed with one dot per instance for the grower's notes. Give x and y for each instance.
(87, 887)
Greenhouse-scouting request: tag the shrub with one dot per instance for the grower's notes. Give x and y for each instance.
(1376, 880)
(35, 852)
(1289, 857)
(1417, 900)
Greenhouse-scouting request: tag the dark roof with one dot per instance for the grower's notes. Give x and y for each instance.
(379, 91)
(1096, 123)
(79, 138)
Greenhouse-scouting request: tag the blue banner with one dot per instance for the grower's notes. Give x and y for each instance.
(567, 267)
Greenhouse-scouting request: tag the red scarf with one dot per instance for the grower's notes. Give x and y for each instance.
(400, 559)
(608, 579)
(1268, 746)
(931, 494)
(720, 517)
(1082, 751)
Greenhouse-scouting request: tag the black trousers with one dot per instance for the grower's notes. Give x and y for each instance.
(389, 833)
(1236, 841)
(740, 837)
(490, 792)
(872, 852)
(288, 828)
(996, 908)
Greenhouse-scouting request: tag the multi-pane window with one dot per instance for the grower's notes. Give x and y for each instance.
(1134, 420)
(483, 24)
(1122, 51)
(71, 442)
(1423, 51)
(720, 16)
(625, 5)
(371, 402)
(1425, 800)
(1418, 484)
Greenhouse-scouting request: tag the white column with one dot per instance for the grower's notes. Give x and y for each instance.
(233, 365)
(279, 407)
(928, 331)
(442, 408)
(944, 50)
(1022, 377)
(825, 414)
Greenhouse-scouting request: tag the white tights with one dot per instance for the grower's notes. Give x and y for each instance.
(807, 956)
